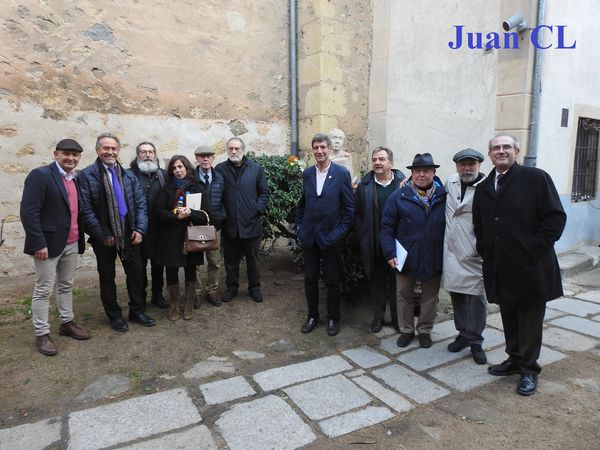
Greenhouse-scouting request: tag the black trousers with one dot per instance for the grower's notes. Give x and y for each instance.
(233, 250)
(173, 274)
(312, 268)
(156, 273)
(523, 325)
(382, 282)
(134, 271)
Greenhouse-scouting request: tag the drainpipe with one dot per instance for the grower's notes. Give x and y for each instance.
(531, 158)
(293, 79)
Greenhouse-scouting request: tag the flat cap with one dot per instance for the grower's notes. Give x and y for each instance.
(69, 144)
(468, 153)
(204, 150)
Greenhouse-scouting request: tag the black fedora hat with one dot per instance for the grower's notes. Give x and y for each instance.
(423, 160)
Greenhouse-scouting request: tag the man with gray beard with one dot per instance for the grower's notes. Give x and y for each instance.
(152, 178)
(462, 272)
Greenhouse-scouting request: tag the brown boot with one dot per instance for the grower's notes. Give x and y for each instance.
(71, 329)
(174, 299)
(45, 345)
(190, 298)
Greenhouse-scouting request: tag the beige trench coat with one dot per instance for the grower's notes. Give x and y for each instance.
(462, 265)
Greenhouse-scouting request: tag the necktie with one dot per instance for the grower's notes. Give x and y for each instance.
(206, 179)
(118, 192)
(499, 181)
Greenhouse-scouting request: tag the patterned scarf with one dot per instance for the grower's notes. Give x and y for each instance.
(113, 208)
(423, 196)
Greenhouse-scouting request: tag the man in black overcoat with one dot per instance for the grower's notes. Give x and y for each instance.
(517, 216)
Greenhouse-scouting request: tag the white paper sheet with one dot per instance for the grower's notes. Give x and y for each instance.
(401, 255)
(194, 201)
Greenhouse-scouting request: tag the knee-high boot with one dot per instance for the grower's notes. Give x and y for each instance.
(174, 299)
(190, 299)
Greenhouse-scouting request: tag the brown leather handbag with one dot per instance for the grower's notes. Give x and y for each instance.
(201, 238)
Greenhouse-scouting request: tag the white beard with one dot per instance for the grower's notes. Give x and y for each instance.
(469, 177)
(147, 166)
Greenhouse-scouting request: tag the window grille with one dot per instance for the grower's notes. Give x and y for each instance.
(585, 168)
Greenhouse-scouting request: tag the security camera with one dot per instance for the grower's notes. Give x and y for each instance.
(515, 22)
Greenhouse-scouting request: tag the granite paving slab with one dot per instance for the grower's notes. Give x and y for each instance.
(387, 396)
(410, 384)
(352, 421)
(295, 373)
(547, 356)
(441, 331)
(354, 373)
(222, 391)
(366, 357)
(327, 397)
(31, 436)
(209, 367)
(190, 439)
(596, 318)
(573, 306)
(132, 419)
(494, 320)
(590, 296)
(248, 354)
(263, 424)
(567, 341)
(578, 324)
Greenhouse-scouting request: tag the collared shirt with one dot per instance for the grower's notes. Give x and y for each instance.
(202, 174)
(68, 176)
(321, 177)
(387, 183)
(498, 176)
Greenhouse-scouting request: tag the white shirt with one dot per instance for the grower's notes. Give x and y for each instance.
(321, 177)
(387, 183)
(68, 176)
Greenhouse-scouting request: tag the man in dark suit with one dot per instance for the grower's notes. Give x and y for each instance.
(114, 207)
(323, 218)
(517, 218)
(53, 225)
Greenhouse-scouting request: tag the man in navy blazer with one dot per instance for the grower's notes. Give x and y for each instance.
(50, 214)
(323, 218)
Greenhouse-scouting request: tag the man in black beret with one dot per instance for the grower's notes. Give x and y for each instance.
(50, 214)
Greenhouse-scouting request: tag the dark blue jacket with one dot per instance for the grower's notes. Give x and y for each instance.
(367, 217)
(216, 209)
(420, 232)
(323, 220)
(45, 212)
(95, 204)
(245, 197)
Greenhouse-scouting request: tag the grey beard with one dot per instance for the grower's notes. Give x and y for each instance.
(468, 177)
(147, 166)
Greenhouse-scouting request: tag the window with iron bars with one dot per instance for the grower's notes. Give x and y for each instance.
(585, 168)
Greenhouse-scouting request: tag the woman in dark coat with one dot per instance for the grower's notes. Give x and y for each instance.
(174, 217)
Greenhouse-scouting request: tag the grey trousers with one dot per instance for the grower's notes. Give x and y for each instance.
(470, 312)
(62, 269)
(213, 266)
(405, 286)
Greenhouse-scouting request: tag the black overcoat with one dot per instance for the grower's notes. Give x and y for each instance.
(172, 231)
(516, 229)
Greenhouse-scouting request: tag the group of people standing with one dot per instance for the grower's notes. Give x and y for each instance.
(139, 215)
(479, 237)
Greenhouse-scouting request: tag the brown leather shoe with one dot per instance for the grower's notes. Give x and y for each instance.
(72, 330)
(213, 299)
(45, 345)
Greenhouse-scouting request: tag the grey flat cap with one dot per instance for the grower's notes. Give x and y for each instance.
(468, 153)
(204, 150)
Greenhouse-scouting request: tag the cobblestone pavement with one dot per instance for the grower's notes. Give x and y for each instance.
(295, 405)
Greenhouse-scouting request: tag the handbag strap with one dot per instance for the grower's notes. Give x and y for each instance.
(207, 218)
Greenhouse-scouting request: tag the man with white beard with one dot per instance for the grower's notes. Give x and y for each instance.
(152, 178)
(462, 271)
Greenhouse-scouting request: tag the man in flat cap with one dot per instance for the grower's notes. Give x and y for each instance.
(414, 215)
(214, 182)
(462, 275)
(50, 214)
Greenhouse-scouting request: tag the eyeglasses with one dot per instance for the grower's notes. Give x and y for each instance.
(504, 147)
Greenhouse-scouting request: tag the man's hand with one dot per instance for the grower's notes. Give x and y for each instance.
(41, 254)
(136, 238)
(393, 263)
(109, 241)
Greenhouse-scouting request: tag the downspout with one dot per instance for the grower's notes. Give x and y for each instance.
(293, 79)
(531, 158)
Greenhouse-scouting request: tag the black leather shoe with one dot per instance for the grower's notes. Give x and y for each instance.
(119, 325)
(159, 301)
(256, 296)
(478, 354)
(376, 325)
(458, 344)
(503, 369)
(333, 327)
(309, 325)
(527, 384)
(404, 339)
(142, 319)
(229, 295)
(425, 340)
